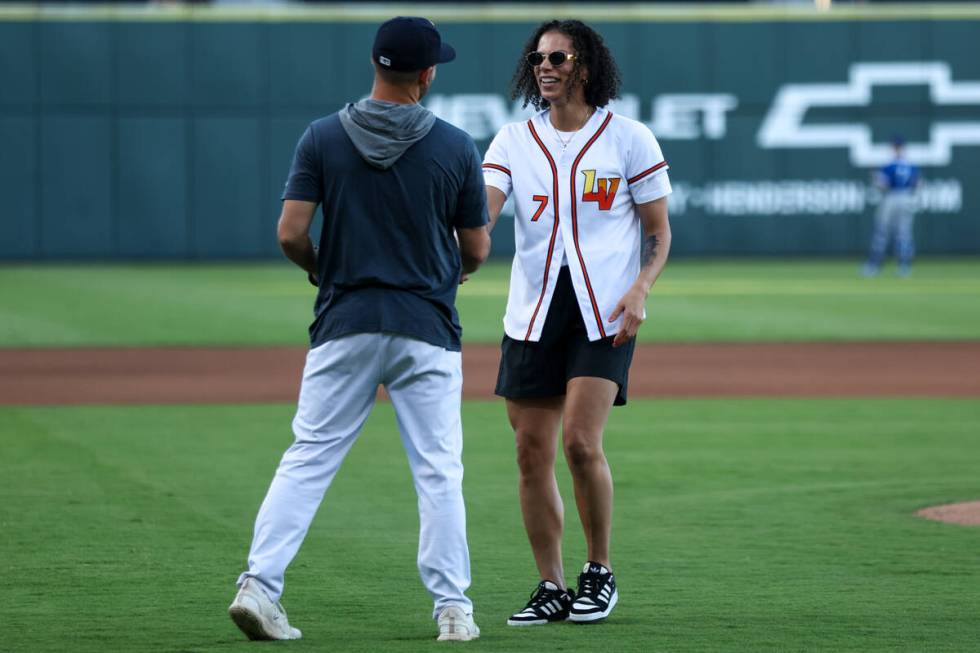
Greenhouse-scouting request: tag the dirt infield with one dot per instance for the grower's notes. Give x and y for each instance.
(242, 375)
(964, 514)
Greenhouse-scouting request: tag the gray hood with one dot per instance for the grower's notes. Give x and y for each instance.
(382, 131)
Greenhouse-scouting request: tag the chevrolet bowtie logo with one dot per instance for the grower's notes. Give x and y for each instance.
(783, 125)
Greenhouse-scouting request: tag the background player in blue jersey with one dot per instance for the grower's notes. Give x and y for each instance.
(896, 213)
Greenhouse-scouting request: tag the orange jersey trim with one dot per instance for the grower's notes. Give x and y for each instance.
(647, 172)
(496, 167)
(578, 250)
(554, 229)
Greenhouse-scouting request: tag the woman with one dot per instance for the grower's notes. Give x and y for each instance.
(592, 237)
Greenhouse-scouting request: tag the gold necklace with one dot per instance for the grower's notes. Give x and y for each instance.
(564, 143)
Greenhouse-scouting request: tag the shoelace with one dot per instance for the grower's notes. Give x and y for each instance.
(588, 586)
(542, 595)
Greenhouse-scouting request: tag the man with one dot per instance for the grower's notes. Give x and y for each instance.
(896, 213)
(399, 188)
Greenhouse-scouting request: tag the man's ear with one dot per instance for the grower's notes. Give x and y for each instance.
(427, 76)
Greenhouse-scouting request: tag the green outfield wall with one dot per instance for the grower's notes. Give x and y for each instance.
(167, 132)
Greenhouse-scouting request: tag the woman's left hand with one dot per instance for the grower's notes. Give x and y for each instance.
(631, 308)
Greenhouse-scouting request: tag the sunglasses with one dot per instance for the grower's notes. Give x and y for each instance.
(555, 58)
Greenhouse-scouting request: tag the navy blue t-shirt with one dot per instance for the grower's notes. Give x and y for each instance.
(388, 259)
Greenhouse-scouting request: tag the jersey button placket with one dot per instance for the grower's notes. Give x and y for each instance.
(565, 197)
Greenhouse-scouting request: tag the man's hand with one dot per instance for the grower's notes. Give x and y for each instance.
(631, 308)
(294, 235)
(311, 276)
(474, 248)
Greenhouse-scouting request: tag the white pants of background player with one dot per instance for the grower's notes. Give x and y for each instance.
(895, 216)
(339, 387)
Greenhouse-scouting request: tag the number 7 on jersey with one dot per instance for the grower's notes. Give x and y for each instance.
(542, 203)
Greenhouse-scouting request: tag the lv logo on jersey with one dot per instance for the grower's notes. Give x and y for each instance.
(604, 194)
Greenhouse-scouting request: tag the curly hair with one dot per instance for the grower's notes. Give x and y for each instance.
(592, 55)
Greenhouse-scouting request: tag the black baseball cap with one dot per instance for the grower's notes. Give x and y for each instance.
(407, 43)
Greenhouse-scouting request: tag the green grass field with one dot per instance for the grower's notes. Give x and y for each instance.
(741, 525)
(271, 303)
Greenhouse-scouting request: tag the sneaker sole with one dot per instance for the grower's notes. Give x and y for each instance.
(249, 623)
(458, 637)
(536, 622)
(595, 616)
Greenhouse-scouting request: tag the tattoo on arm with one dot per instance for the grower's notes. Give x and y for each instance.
(649, 251)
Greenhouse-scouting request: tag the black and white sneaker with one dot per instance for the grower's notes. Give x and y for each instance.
(596, 595)
(548, 603)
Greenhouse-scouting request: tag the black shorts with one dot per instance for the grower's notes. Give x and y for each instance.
(531, 370)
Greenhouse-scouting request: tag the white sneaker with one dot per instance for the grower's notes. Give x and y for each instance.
(257, 616)
(456, 626)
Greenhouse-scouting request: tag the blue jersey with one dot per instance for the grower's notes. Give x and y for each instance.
(899, 175)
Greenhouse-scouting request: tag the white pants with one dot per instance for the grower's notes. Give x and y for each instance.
(340, 383)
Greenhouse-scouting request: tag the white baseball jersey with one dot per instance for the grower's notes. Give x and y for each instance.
(576, 206)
